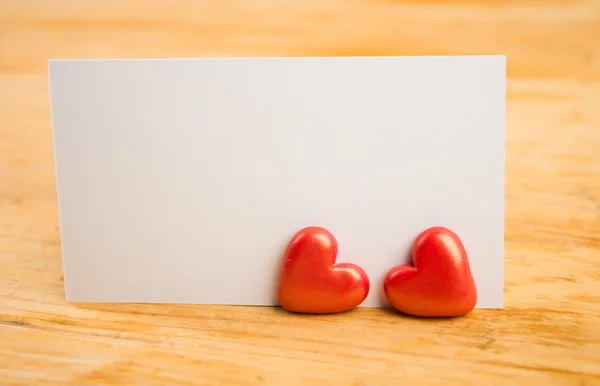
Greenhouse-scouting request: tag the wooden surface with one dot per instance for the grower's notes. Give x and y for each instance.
(549, 332)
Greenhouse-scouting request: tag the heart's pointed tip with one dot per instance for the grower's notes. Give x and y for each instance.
(472, 303)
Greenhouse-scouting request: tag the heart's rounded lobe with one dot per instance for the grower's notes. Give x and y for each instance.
(311, 282)
(439, 284)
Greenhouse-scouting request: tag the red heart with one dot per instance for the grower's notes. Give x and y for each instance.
(439, 283)
(310, 280)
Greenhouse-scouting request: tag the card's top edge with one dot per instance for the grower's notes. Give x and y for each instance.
(281, 58)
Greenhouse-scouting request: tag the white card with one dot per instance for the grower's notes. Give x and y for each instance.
(182, 180)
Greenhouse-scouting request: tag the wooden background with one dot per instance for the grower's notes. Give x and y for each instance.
(549, 332)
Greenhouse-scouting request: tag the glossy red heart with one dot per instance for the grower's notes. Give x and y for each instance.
(439, 283)
(311, 282)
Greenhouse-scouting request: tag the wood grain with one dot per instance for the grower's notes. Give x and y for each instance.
(549, 332)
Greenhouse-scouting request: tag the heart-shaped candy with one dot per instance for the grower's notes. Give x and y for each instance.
(439, 284)
(311, 282)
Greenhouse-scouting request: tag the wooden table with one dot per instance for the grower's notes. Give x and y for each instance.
(549, 332)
